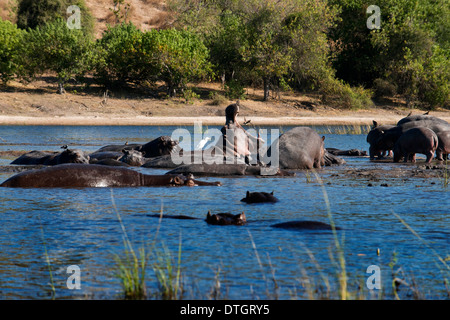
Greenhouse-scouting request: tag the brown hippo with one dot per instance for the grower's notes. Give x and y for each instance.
(304, 225)
(443, 148)
(300, 148)
(52, 158)
(224, 219)
(259, 197)
(91, 175)
(416, 140)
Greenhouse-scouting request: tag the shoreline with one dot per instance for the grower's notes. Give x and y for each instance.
(317, 120)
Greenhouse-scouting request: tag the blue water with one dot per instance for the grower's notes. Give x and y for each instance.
(51, 229)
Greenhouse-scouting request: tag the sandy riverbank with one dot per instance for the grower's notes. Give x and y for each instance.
(38, 104)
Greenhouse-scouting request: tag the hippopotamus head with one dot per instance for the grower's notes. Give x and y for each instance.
(231, 113)
(161, 146)
(132, 157)
(224, 219)
(258, 197)
(72, 156)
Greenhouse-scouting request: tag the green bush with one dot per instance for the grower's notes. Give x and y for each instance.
(10, 40)
(122, 58)
(384, 88)
(234, 90)
(56, 48)
(179, 56)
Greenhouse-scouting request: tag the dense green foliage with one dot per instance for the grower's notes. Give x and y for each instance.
(56, 48)
(322, 46)
(10, 39)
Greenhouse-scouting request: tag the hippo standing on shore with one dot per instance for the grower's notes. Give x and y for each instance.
(300, 148)
(443, 149)
(91, 175)
(372, 138)
(416, 140)
(52, 158)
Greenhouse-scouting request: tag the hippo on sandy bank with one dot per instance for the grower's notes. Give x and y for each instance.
(91, 175)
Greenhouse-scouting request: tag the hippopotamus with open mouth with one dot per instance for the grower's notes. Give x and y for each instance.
(91, 175)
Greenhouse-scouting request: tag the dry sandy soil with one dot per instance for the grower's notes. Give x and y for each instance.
(39, 104)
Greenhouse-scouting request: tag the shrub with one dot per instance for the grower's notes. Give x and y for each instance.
(10, 39)
(56, 48)
(384, 88)
(234, 90)
(179, 56)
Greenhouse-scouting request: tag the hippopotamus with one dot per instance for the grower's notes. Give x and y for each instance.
(52, 158)
(103, 155)
(224, 219)
(91, 175)
(350, 152)
(223, 169)
(300, 148)
(443, 148)
(304, 225)
(416, 140)
(388, 138)
(160, 146)
(132, 157)
(420, 117)
(372, 138)
(259, 197)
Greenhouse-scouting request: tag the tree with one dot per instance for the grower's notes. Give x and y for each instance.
(10, 39)
(179, 56)
(56, 48)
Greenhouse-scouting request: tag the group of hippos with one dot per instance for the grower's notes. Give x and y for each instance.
(298, 148)
(422, 134)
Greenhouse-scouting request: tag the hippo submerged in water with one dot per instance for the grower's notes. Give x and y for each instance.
(259, 197)
(90, 175)
(52, 158)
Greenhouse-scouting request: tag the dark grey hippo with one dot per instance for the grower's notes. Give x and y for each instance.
(350, 152)
(304, 225)
(91, 175)
(443, 148)
(224, 219)
(52, 158)
(223, 169)
(133, 158)
(259, 197)
(420, 117)
(388, 138)
(300, 148)
(416, 140)
(160, 146)
(372, 138)
(103, 155)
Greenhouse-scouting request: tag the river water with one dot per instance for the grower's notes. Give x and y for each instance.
(402, 229)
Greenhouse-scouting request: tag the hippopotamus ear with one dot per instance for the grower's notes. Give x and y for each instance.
(163, 138)
(242, 216)
(271, 193)
(323, 138)
(375, 124)
(125, 151)
(248, 194)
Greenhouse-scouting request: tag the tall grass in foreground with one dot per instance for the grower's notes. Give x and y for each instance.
(132, 268)
(47, 259)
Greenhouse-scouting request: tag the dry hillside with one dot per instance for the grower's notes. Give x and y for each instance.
(145, 14)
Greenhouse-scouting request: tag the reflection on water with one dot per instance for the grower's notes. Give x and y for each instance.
(81, 227)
